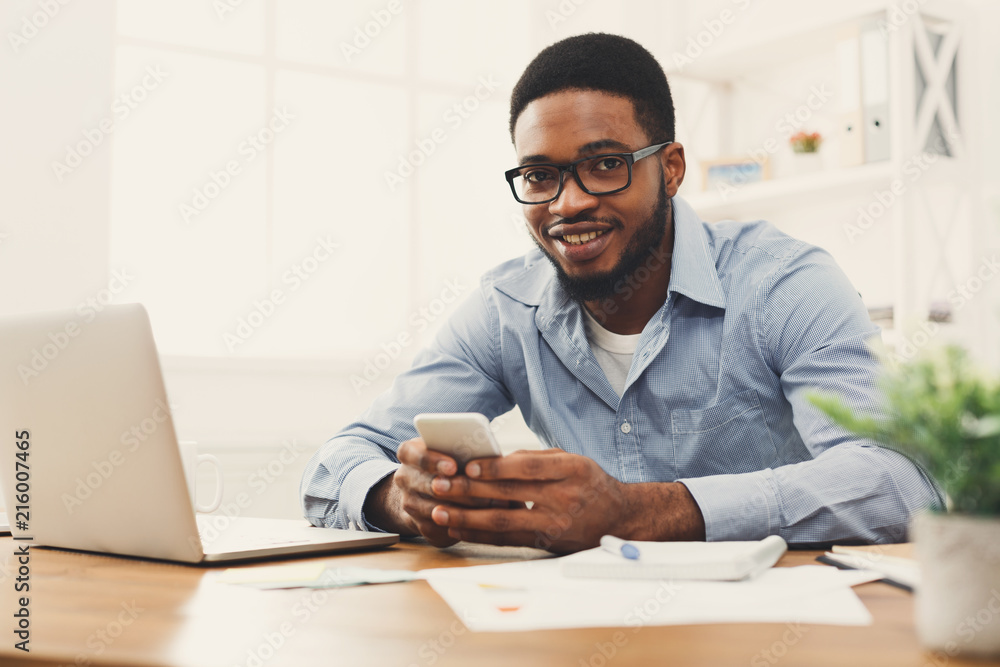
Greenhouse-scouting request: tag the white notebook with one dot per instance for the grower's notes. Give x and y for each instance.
(715, 561)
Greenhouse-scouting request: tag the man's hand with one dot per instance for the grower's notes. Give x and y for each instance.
(573, 501)
(403, 502)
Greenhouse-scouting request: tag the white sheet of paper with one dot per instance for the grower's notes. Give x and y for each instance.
(311, 575)
(535, 596)
(904, 570)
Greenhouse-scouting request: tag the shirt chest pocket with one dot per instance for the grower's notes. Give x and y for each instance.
(729, 437)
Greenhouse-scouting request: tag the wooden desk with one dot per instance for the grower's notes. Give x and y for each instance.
(88, 609)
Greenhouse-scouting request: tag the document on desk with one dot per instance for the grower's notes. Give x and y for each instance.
(535, 595)
(310, 575)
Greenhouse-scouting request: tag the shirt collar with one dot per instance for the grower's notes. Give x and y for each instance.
(692, 270)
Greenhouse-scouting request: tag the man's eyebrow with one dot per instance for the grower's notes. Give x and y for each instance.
(601, 144)
(586, 149)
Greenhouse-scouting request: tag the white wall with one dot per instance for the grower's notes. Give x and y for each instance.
(56, 82)
(59, 242)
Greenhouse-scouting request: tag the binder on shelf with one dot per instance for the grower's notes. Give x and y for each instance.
(875, 92)
(850, 135)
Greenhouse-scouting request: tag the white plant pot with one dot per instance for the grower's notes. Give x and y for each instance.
(806, 163)
(958, 601)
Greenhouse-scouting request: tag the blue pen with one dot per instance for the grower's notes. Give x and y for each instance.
(620, 547)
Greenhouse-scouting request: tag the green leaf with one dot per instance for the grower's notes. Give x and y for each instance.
(941, 412)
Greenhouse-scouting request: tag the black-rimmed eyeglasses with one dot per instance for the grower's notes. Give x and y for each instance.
(602, 174)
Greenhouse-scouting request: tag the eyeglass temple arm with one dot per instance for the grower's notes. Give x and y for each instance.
(645, 152)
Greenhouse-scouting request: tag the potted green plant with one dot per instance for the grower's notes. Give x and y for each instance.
(946, 416)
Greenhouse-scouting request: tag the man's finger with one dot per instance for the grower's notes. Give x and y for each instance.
(461, 486)
(420, 509)
(418, 506)
(435, 534)
(415, 453)
(418, 482)
(525, 465)
(414, 480)
(490, 520)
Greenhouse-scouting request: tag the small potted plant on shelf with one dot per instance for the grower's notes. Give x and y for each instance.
(806, 148)
(946, 416)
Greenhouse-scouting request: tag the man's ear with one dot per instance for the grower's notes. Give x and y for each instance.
(674, 167)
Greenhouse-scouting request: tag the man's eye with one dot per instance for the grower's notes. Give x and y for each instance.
(536, 176)
(609, 163)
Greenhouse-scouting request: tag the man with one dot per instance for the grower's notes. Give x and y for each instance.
(665, 363)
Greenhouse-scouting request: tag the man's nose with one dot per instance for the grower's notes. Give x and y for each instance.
(572, 200)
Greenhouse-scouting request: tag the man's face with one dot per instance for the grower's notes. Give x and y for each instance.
(570, 125)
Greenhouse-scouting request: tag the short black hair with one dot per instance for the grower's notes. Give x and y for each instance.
(603, 62)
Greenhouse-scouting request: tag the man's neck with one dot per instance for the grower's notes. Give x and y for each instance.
(641, 294)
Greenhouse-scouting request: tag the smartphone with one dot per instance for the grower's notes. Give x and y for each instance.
(461, 435)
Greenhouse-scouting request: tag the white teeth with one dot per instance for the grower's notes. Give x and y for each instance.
(577, 239)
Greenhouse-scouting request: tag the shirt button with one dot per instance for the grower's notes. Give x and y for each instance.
(626, 427)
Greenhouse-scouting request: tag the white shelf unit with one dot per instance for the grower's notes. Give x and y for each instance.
(790, 190)
(923, 43)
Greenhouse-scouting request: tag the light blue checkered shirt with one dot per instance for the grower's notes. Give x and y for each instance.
(715, 398)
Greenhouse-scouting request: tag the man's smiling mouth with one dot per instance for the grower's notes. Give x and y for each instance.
(580, 239)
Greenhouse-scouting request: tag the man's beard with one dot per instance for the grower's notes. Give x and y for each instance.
(647, 238)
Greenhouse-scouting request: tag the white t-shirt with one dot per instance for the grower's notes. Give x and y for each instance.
(613, 351)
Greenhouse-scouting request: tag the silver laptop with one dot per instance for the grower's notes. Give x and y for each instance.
(73, 394)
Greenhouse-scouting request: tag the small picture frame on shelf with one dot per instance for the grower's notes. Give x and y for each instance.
(733, 172)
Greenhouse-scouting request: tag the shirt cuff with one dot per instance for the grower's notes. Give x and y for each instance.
(355, 488)
(736, 507)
